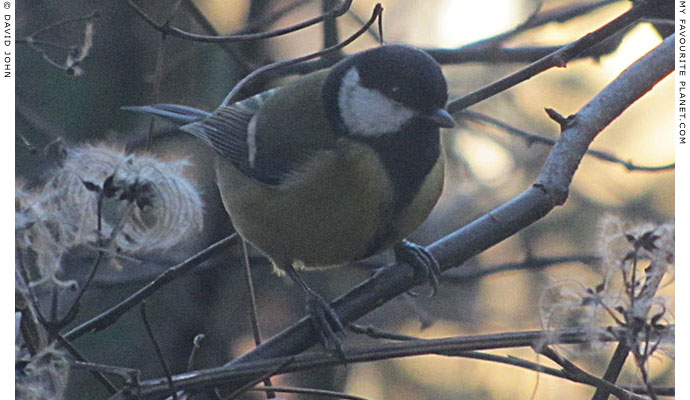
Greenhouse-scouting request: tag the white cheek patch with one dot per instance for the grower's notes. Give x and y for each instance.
(367, 112)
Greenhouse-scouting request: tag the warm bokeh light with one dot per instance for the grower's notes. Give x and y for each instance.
(490, 162)
(365, 380)
(226, 17)
(454, 376)
(466, 21)
(638, 41)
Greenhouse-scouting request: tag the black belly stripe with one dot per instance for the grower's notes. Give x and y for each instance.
(408, 158)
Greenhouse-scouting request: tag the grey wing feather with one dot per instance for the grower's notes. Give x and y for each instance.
(225, 130)
(174, 113)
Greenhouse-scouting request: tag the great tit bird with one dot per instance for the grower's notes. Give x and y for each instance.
(334, 167)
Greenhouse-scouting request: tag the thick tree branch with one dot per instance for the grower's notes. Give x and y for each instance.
(631, 84)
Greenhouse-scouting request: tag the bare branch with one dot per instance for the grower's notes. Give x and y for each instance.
(531, 263)
(313, 392)
(534, 138)
(96, 14)
(129, 375)
(634, 327)
(559, 14)
(75, 54)
(521, 54)
(157, 348)
(558, 58)
(253, 313)
(33, 311)
(459, 346)
(577, 374)
(232, 96)
(165, 28)
(110, 316)
(565, 157)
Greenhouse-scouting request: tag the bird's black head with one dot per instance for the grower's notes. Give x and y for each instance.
(378, 91)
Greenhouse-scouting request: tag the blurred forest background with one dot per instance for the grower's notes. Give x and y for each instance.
(486, 167)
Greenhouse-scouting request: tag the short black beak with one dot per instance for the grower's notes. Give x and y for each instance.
(442, 118)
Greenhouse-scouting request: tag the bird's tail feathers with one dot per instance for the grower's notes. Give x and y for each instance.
(177, 114)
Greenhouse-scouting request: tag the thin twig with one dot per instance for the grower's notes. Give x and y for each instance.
(558, 58)
(660, 391)
(468, 274)
(361, 21)
(570, 371)
(129, 375)
(540, 18)
(377, 333)
(576, 373)
(72, 311)
(173, 31)
(240, 372)
(252, 295)
(330, 32)
(518, 54)
(572, 145)
(531, 138)
(158, 74)
(560, 14)
(47, 43)
(232, 96)
(34, 311)
(157, 79)
(252, 307)
(33, 43)
(95, 14)
(253, 26)
(613, 369)
(311, 392)
(263, 377)
(157, 348)
(267, 20)
(635, 322)
(173, 11)
(208, 27)
(111, 315)
(74, 352)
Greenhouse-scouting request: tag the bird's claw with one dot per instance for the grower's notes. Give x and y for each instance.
(326, 322)
(425, 265)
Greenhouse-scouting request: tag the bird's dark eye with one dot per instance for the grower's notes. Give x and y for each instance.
(394, 93)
